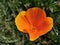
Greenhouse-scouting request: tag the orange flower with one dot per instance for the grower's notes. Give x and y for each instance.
(34, 22)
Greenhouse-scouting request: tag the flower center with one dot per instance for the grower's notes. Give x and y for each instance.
(34, 28)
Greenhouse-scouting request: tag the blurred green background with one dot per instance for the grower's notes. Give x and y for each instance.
(9, 34)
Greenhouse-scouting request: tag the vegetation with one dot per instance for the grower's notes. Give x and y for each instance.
(9, 34)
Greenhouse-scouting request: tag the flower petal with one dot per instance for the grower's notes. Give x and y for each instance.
(21, 22)
(33, 35)
(47, 25)
(35, 15)
(43, 29)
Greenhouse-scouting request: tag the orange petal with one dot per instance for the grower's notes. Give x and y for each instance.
(47, 25)
(21, 22)
(35, 15)
(43, 29)
(33, 35)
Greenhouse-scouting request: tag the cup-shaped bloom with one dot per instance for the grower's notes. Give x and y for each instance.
(34, 22)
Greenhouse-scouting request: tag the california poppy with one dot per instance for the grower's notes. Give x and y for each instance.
(34, 22)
